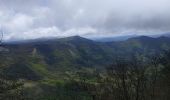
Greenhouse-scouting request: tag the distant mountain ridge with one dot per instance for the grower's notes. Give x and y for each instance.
(97, 39)
(52, 57)
(126, 37)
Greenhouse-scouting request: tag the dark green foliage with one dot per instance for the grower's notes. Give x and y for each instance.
(21, 71)
(10, 90)
(129, 80)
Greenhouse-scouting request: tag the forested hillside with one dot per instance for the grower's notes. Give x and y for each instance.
(77, 68)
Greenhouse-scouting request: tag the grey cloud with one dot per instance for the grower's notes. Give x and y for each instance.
(23, 19)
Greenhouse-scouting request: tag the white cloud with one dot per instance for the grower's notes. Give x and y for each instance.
(44, 32)
(19, 23)
(34, 33)
(80, 31)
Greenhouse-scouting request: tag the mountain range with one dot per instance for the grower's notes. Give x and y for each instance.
(126, 37)
(50, 58)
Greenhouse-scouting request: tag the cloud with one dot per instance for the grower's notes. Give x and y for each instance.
(35, 33)
(48, 18)
(19, 23)
(44, 32)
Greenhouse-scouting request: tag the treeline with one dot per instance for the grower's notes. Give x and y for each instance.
(136, 78)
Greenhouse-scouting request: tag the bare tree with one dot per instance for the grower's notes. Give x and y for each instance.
(1, 36)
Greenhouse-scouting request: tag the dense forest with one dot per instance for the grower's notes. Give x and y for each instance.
(76, 68)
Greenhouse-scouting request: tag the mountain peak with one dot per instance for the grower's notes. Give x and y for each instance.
(142, 38)
(74, 38)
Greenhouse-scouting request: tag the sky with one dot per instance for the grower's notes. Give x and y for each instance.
(31, 19)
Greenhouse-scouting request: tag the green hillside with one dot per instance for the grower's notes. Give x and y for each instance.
(48, 63)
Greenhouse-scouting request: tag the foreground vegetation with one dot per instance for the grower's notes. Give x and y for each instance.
(136, 78)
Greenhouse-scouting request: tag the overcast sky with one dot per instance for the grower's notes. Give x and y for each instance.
(30, 19)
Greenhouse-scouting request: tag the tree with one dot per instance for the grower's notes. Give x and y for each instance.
(10, 90)
(1, 36)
